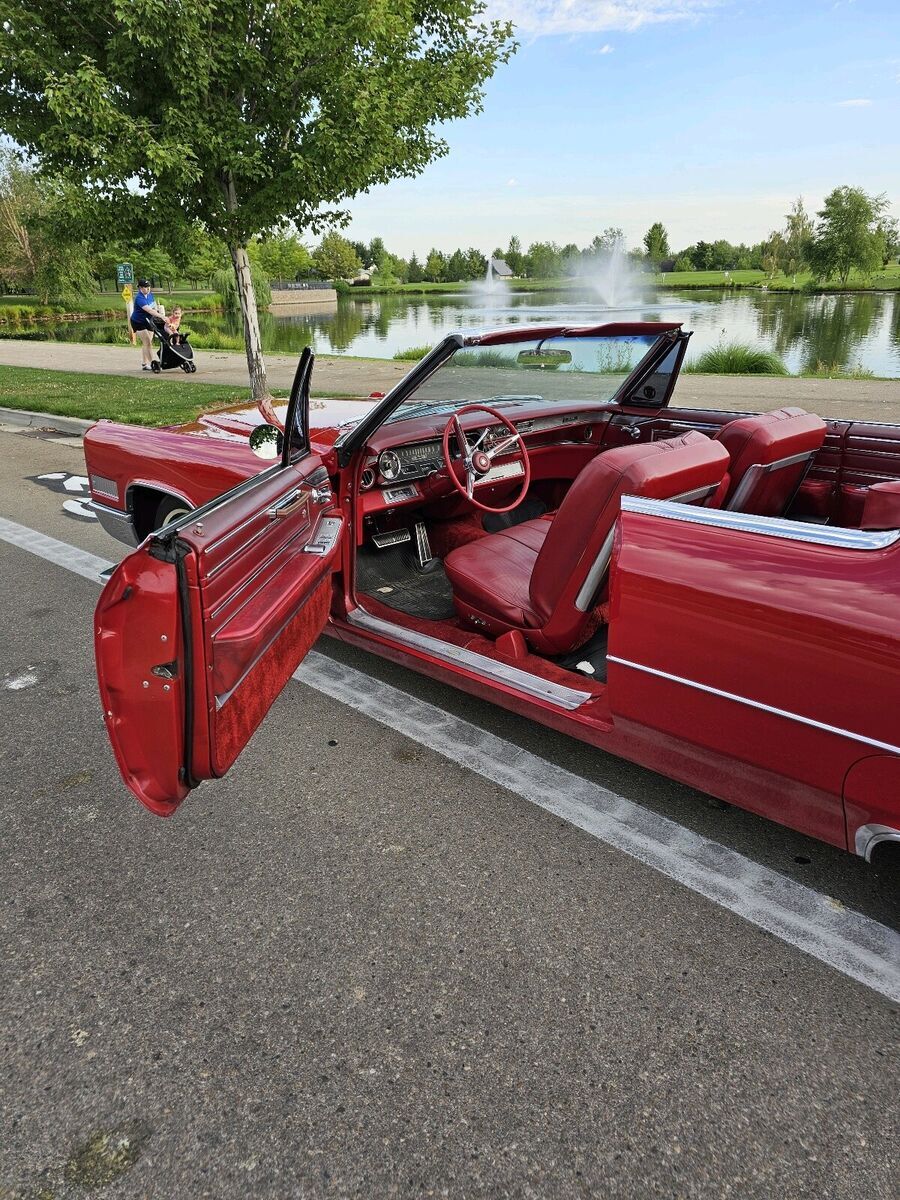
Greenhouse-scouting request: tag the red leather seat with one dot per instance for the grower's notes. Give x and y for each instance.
(546, 578)
(770, 453)
(882, 506)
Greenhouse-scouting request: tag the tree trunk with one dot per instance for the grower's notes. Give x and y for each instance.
(259, 383)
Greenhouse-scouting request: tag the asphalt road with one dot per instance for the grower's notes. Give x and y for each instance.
(357, 968)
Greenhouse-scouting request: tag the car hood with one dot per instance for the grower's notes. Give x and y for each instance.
(327, 419)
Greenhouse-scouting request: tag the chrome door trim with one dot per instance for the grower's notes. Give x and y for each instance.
(757, 704)
(869, 836)
(523, 681)
(780, 527)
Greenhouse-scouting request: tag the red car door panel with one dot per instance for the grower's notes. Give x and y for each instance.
(778, 657)
(199, 630)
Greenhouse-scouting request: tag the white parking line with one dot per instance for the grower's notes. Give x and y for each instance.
(815, 923)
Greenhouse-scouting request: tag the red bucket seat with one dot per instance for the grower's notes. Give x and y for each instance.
(547, 577)
(770, 453)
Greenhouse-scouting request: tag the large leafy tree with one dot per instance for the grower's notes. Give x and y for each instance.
(242, 114)
(335, 257)
(850, 234)
(656, 243)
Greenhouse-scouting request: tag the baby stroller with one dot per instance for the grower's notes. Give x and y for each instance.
(173, 351)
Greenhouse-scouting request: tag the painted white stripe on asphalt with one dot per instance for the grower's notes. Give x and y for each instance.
(87, 565)
(843, 939)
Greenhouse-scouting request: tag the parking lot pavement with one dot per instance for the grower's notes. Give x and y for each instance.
(355, 968)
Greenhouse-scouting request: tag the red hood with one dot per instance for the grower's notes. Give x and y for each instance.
(326, 417)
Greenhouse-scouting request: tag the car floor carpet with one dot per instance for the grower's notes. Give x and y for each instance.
(391, 576)
(589, 659)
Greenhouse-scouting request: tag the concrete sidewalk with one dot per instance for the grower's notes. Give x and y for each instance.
(847, 399)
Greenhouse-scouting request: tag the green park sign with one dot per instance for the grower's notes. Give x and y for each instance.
(124, 274)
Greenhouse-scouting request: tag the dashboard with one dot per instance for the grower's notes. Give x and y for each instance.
(397, 466)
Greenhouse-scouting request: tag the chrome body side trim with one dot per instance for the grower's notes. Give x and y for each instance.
(523, 681)
(757, 704)
(780, 527)
(115, 522)
(869, 836)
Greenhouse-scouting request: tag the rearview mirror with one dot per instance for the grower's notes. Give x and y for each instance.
(543, 357)
(266, 441)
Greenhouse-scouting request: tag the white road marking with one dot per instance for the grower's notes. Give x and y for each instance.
(87, 565)
(849, 942)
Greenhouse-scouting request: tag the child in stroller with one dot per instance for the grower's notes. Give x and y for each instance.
(175, 349)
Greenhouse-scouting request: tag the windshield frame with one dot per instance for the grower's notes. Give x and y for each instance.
(670, 334)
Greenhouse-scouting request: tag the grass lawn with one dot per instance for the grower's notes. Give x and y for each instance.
(145, 400)
(102, 302)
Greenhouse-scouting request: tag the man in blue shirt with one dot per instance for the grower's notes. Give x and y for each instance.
(144, 303)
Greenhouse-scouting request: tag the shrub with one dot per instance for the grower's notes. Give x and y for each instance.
(732, 358)
(226, 285)
(413, 354)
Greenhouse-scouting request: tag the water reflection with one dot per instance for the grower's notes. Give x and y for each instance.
(808, 332)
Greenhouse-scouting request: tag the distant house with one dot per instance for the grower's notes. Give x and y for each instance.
(500, 269)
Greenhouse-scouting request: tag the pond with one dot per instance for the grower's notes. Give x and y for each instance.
(846, 332)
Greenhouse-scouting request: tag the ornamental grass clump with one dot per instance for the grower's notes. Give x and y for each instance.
(732, 358)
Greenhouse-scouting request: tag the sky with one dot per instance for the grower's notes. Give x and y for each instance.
(711, 116)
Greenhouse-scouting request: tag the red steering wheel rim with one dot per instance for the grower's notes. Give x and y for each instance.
(449, 428)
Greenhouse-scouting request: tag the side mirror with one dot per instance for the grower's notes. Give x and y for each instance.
(266, 441)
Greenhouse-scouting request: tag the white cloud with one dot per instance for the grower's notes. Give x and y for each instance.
(860, 103)
(512, 183)
(545, 17)
(607, 49)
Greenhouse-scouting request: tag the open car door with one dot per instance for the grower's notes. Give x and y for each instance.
(201, 627)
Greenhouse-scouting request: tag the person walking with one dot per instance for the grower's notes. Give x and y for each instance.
(144, 306)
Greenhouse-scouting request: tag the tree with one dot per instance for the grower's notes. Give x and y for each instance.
(282, 255)
(37, 246)
(456, 267)
(335, 258)
(544, 260)
(849, 234)
(415, 272)
(774, 254)
(250, 115)
(798, 235)
(434, 266)
(476, 264)
(656, 243)
(514, 258)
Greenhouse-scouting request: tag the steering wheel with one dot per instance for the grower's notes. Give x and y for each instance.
(477, 462)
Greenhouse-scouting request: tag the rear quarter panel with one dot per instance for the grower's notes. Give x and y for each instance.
(802, 639)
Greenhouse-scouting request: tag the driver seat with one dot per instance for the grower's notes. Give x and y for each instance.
(546, 578)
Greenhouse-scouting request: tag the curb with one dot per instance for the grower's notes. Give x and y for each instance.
(37, 420)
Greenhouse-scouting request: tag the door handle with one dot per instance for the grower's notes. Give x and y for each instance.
(288, 506)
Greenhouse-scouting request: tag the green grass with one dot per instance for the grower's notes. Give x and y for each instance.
(413, 354)
(734, 359)
(101, 304)
(887, 279)
(143, 400)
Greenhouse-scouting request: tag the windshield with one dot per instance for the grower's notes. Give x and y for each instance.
(544, 370)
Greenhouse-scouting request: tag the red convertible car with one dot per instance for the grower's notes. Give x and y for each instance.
(527, 517)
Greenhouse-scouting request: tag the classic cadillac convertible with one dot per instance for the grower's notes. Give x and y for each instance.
(527, 517)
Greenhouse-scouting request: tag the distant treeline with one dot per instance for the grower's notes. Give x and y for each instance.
(43, 254)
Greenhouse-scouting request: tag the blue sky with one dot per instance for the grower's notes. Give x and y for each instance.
(709, 115)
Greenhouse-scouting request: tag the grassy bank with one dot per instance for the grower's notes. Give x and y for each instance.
(143, 400)
(885, 280)
(17, 310)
